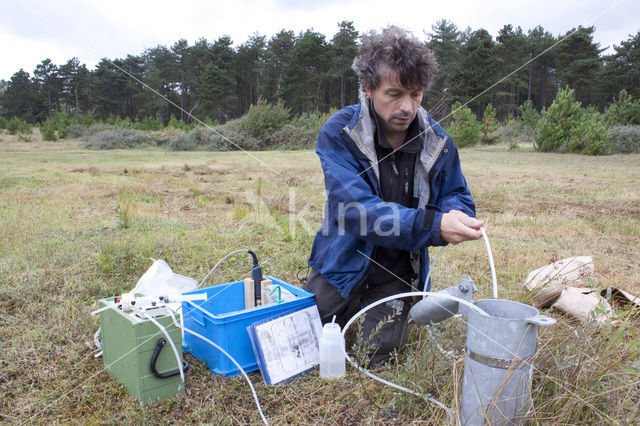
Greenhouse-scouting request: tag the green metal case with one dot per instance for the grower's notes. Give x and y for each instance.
(128, 344)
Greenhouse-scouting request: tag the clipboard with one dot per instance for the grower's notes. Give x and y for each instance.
(286, 345)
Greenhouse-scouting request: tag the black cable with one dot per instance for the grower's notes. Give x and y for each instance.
(256, 275)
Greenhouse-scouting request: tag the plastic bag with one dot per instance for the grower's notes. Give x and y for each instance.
(160, 280)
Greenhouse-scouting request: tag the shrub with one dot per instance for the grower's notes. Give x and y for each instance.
(202, 136)
(624, 139)
(465, 129)
(87, 119)
(24, 136)
(76, 131)
(262, 121)
(62, 121)
(117, 121)
(117, 138)
(592, 135)
(177, 124)
(489, 126)
(48, 130)
(63, 131)
(209, 122)
(205, 138)
(16, 125)
(293, 137)
(3, 122)
(149, 123)
(164, 137)
(509, 132)
(623, 111)
(529, 115)
(209, 139)
(182, 142)
(313, 121)
(79, 131)
(24, 132)
(234, 137)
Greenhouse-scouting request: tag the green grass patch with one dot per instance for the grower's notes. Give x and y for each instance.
(79, 225)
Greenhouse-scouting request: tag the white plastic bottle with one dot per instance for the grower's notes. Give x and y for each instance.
(332, 361)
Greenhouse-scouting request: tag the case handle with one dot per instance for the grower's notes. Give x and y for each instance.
(154, 358)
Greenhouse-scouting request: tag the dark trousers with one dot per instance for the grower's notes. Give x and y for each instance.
(389, 319)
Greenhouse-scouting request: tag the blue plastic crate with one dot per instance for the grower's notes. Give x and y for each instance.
(224, 320)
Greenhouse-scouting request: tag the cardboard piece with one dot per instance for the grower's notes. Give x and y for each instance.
(584, 304)
(547, 282)
(621, 299)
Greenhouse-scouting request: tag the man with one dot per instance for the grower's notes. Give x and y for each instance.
(394, 187)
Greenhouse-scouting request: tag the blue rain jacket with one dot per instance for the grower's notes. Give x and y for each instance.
(356, 219)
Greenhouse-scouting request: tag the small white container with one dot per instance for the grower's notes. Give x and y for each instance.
(332, 360)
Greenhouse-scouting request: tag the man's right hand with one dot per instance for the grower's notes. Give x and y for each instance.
(457, 227)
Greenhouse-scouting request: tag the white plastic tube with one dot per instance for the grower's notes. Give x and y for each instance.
(104, 308)
(428, 397)
(493, 268)
(219, 262)
(253, 390)
(433, 265)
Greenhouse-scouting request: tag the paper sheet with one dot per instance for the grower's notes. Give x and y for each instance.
(289, 344)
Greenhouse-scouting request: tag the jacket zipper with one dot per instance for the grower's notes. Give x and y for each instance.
(393, 164)
(406, 181)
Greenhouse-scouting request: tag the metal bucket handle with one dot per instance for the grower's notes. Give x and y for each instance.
(542, 320)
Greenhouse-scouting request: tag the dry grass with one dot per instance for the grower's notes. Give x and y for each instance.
(65, 245)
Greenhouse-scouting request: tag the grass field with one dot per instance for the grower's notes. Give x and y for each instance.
(79, 225)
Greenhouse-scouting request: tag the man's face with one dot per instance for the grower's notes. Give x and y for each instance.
(395, 104)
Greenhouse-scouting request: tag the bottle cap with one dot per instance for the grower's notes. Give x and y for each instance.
(331, 328)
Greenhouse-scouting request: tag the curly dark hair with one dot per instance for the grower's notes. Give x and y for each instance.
(397, 50)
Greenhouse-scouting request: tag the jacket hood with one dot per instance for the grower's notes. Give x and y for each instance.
(432, 139)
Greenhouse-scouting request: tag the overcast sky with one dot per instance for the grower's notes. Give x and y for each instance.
(32, 30)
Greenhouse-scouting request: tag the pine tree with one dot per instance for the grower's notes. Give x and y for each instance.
(477, 70)
(578, 62)
(345, 49)
(305, 79)
(18, 97)
(249, 68)
(512, 53)
(489, 125)
(47, 77)
(277, 58)
(540, 82)
(465, 129)
(445, 41)
(560, 124)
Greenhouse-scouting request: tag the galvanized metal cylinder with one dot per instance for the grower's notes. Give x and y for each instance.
(496, 386)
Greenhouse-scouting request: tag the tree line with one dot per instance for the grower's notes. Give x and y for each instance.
(307, 73)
